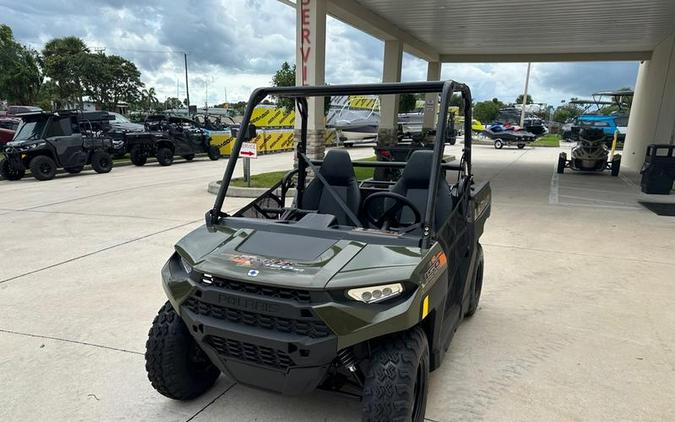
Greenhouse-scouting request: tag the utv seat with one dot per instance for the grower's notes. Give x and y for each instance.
(414, 185)
(338, 171)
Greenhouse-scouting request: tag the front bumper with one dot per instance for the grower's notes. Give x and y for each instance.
(276, 338)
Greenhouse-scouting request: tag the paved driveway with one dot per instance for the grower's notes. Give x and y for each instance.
(576, 321)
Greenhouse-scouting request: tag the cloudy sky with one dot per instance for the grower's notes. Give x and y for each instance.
(236, 45)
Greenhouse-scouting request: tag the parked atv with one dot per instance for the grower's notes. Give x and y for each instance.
(46, 142)
(168, 136)
(590, 154)
(354, 287)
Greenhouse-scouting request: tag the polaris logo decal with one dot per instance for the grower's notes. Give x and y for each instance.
(269, 263)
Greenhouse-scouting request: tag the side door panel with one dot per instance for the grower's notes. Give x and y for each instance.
(66, 143)
(456, 238)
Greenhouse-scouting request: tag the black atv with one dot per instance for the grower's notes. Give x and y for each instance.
(167, 136)
(590, 154)
(357, 288)
(46, 142)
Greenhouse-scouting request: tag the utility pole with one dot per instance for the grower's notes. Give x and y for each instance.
(527, 82)
(187, 90)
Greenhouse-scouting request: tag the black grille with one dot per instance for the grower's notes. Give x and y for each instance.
(307, 326)
(300, 296)
(248, 352)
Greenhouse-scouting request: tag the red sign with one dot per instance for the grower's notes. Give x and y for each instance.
(305, 46)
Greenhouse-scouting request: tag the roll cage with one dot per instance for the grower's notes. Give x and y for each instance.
(300, 93)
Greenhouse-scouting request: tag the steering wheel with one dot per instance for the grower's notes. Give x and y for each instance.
(388, 217)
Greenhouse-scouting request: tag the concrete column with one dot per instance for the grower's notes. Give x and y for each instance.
(431, 99)
(310, 59)
(652, 116)
(393, 59)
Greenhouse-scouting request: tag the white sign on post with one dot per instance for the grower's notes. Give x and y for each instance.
(249, 150)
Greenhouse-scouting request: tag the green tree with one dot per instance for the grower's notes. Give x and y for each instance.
(172, 103)
(20, 77)
(62, 60)
(519, 99)
(285, 76)
(566, 112)
(487, 111)
(108, 80)
(406, 103)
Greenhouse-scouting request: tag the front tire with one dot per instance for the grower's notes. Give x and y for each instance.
(396, 384)
(176, 366)
(499, 144)
(101, 162)
(164, 156)
(521, 146)
(562, 160)
(137, 156)
(10, 173)
(616, 165)
(214, 153)
(42, 167)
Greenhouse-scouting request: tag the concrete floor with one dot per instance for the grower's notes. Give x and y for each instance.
(576, 320)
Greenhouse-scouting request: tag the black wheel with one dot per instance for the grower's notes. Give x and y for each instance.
(477, 285)
(74, 170)
(562, 160)
(164, 156)
(138, 157)
(176, 366)
(616, 165)
(521, 146)
(101, 162)
(214, 153)
(10, 173)
(396, 382)
(42, 167)
(189, 157)
(499, 144)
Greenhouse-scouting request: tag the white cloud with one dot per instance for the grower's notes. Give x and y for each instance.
(236, 45)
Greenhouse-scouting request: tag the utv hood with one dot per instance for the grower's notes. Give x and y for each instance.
(295, 261)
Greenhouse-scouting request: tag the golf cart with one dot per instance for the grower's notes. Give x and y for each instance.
(590, 154)
(46, 142)
(356, 288)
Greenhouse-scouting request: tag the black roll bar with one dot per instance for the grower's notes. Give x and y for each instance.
(300, 93)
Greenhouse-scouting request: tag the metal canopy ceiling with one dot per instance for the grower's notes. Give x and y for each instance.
(515, 30)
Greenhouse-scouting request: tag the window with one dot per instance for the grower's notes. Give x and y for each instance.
(59, 127)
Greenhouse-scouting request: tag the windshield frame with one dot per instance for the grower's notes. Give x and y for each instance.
(20, 136)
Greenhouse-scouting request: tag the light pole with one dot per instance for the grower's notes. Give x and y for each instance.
(527, 82)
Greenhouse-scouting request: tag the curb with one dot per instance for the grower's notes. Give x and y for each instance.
(241, 192)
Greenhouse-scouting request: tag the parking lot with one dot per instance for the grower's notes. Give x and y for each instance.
(576, 320)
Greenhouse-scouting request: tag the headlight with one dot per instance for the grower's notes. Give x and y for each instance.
(375, 294)
(186, 265)
(33, 146)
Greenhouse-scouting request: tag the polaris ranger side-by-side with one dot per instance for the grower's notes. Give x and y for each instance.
(46, 142)
(352, 287)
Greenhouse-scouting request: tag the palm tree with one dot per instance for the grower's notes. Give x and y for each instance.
(149, 98)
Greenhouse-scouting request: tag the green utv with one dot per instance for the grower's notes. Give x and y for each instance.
(350, 287)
